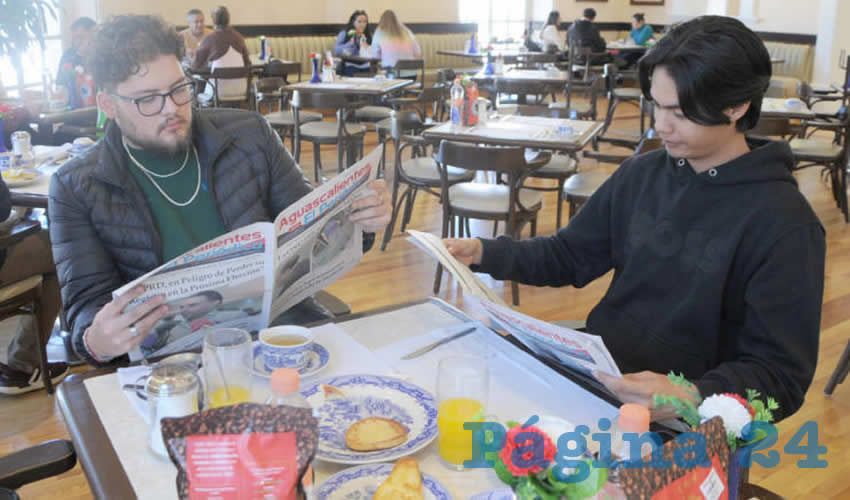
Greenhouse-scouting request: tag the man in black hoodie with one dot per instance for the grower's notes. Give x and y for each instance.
(584, 33)
(718, 258)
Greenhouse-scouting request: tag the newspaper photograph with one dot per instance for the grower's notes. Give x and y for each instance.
(581, 351)
(247, 277)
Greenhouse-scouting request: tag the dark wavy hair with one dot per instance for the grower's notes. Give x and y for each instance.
(124, 43)
(350, 26)
(220, 17)
(553, 19)
(717, 63)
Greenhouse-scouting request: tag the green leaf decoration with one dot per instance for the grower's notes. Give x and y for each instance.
(685, 409)
(503, 472)
(512, 423)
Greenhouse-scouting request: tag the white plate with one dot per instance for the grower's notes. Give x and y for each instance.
(360, 483)
(317, 362)
(22, 183)
(371, 396)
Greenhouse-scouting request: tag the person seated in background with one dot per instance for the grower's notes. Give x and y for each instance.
(224, 43)
(641, 32)
(31, 257)
(583, 33)
(718, 258)
(393, 41)
(550, 37)
(352, 40)
(72, 63)
(164, 179)
(196, 32)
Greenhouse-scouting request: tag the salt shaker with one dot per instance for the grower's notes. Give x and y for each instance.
(172, 391)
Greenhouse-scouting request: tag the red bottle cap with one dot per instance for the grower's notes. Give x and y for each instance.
(285, 380)
(633, 418)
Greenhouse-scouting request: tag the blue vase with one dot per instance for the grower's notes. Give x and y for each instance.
(488, 68)
(262, 49)
(316, 77)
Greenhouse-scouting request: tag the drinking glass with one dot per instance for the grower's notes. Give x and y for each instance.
(463, 387)
(227, 360)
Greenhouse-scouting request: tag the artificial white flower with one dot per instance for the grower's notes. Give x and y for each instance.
(735, 415)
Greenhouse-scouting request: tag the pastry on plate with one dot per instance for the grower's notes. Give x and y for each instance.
(375, 433)
(404, 482)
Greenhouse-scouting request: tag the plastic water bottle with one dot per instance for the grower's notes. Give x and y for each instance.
(456, 98)
(285, 384)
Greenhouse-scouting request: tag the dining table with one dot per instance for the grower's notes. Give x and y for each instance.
(110, 433)
(355, 86)
(553, 134)
(509, 56)
(778, 107)
(625, 46)
(48, 160)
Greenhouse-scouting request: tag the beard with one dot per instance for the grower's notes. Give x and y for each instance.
(157, 145)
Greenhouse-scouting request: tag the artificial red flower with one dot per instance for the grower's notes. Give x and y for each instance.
(511, 444)
(312, 55)
(743, 401)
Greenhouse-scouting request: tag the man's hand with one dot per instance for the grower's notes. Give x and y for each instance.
(373, 211)
(467, 251)
(641, 387)
(115, 332)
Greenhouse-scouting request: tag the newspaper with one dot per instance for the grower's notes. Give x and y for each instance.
(249, 276)
(581, 351)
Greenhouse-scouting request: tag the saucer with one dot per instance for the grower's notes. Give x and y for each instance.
(317, 361)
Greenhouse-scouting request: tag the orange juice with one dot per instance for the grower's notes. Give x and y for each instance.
(237, 395)
(455, 441)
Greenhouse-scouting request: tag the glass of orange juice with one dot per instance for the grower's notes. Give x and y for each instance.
(227, 357)
(463, 387)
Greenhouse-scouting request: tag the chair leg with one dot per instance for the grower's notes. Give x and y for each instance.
(42, 334)
(396, 204)
(317, 163)
(515, 292)
(560, 210)
(495, 227)
(445, 231)
(468, 232)
(612, 104)
(408, 208)
(533, 228)
(840, 372)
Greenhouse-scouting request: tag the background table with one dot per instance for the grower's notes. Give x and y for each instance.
(775, 107)
(525, 131)
(353, 86)
(111, 437)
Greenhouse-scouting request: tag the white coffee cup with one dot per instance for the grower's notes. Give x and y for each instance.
(295, 354)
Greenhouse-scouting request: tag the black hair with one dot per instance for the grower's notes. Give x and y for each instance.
(221, 17)
(86, 23)
(639, 17)
(717, 63)
(194, 12)
(350, 26)
(589, 13)
(553, 18)
(124, 43)
(210, 295)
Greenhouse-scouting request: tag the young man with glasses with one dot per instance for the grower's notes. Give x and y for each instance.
(164, 179)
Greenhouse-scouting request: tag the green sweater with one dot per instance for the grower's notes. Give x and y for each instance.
(181, 228)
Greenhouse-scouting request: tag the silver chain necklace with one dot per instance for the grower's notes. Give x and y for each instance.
(154, 174)
(149, 175)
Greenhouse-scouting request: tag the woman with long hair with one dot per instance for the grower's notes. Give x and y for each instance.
(551, 40)
(394, 41)
(354, 37)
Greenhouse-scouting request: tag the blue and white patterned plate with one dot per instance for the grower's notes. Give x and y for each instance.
(360, 483)
(317, 361)
(371, 396)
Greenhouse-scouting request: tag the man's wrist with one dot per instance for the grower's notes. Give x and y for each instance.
(97, 357)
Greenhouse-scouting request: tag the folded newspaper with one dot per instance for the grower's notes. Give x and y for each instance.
(581, 351)
(247, 277)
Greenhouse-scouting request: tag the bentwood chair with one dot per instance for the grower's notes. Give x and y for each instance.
(269, 90)
(510, 202)
(618, 94)
(560, 167)
(221, 79)
(581, 97)
(840, 372)
(581, 186)
(347, 137)
(35, 463)
(417, 173)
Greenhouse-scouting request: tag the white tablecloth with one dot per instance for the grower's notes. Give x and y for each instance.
(520, 386)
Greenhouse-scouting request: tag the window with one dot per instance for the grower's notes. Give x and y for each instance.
(33, 62)
(496, 19)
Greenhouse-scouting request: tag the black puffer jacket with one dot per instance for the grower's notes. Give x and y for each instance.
(103, 232)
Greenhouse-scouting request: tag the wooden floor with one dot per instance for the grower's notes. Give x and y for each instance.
(404, 273)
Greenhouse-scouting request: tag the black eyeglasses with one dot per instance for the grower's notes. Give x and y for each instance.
(152, 104)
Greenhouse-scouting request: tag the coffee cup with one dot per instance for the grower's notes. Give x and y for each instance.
(285, 347)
